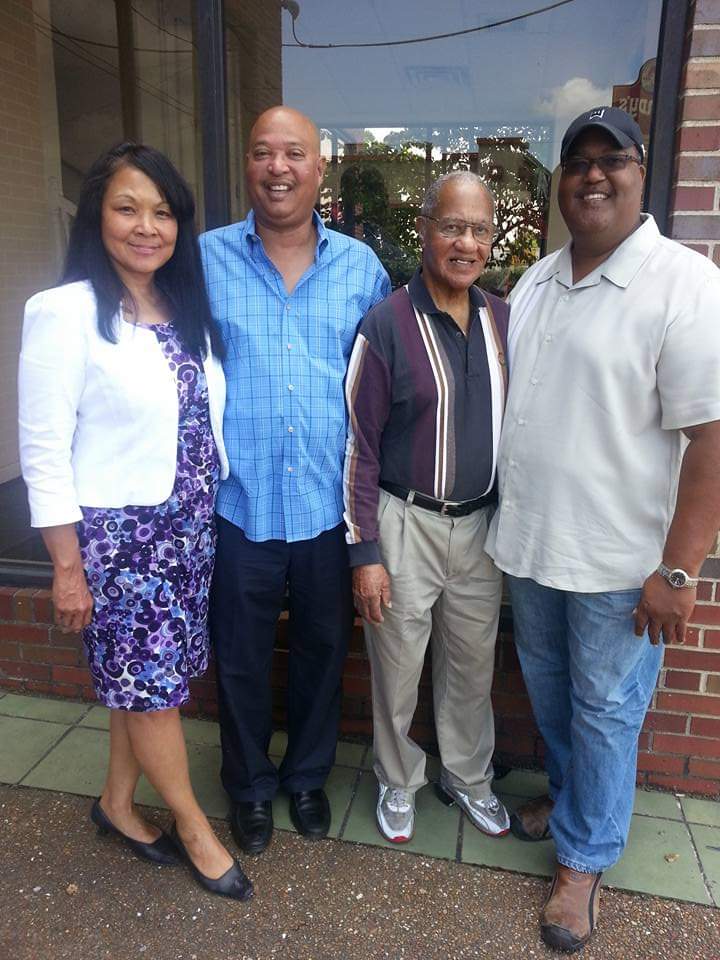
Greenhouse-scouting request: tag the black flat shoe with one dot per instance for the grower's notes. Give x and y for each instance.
(233, 883)
(162, 851)
(310, 813)
(251, 823)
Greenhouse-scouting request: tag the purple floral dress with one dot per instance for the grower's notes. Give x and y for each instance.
(149, 568)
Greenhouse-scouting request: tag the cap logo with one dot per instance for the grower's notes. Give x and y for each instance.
(596, 114)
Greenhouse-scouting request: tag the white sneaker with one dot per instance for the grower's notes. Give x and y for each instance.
(395, 814)
(488, 814)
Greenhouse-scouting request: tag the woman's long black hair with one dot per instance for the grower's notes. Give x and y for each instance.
(180, 280)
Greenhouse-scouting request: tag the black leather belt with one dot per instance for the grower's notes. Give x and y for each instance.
(447, 508)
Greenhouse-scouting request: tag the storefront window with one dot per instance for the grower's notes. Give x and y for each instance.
(401, 91)
(96, 72)
(404, 92)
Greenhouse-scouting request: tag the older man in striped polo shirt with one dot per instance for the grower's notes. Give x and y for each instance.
(425, 392)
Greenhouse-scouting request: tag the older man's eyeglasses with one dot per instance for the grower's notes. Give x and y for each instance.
(453, 229)
(607, 163)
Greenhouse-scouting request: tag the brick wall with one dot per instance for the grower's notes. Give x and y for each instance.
(680, 743)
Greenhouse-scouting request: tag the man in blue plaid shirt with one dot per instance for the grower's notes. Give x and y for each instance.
(288, 295)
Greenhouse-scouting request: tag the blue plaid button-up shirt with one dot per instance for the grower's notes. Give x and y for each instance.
(285, 419)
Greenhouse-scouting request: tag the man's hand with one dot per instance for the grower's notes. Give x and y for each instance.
(72, 600)
(371, 591)
(664, 610)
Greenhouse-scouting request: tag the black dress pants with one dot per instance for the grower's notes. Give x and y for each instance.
(249, 586)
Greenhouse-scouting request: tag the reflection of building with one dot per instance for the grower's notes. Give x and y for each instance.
(78, 74)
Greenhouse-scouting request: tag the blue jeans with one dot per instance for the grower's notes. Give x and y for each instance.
(590, 681)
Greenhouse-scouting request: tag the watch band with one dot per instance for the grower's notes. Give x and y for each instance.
(677, 577)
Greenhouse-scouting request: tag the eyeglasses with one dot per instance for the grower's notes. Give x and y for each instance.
(607, 163)
(453, 229)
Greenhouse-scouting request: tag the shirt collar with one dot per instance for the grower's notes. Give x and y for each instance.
(252, 237)
(619, 268)
(423, 301)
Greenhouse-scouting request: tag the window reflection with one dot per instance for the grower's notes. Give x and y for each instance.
(495, 101)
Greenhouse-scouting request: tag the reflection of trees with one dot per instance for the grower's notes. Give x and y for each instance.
(377, 190)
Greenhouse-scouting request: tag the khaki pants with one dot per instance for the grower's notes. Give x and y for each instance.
(443, 583)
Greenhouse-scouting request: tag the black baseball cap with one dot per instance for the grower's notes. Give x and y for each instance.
(619, 124)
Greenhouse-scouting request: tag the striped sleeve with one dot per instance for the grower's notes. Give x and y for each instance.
(368, 395)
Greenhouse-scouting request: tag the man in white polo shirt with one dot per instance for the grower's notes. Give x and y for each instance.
(609, 472)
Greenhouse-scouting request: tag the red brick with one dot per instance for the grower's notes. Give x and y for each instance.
(6, 595)
(677, 656)
(45, 687)
(71, 691)
(705, 727)
(712, 684)
(692, 637)
(694, 198)
(644, 741)
(687, 746)
(702, 76)
(63, 638)
(516, 746)
(706, 613)
(705, 587)
(67, 656)
(704, 768)
(43, 607)
(511, 705)
(689, 703)
(699, 138)
(23, 633)
(681, 680)
(22, 604)
(70, 674)
(711, 639)
(667, 722)
(17, 670)
(660, 764)
(705, 43)
(707, 11)
(9, 650)
(11, 683)
(683, 784)
(701, 107)
(697, 168)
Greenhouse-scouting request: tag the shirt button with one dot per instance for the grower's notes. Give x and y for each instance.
(533, 381)
(521, 422)
(511, 463)
(289, 346)
(289, 469)
(291, 386)
(290, 429)
(287, 306)
(548, 338)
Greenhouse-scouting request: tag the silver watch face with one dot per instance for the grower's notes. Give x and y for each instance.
(678, 578)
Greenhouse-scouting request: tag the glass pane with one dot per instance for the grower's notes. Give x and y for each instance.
(394, 115)
(90, 73)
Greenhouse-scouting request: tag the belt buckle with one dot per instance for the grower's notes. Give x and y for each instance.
(444, 509)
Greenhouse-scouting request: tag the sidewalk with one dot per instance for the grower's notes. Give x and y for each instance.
(61, 746)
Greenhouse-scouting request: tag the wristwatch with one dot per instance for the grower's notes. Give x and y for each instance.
(677, 578)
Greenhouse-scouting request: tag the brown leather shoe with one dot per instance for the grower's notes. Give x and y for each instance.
(570, 912)
(530, 820)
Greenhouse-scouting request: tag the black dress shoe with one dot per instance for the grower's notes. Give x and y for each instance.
(310, 813)
(233, 883)
(251, 823)
(162, 851)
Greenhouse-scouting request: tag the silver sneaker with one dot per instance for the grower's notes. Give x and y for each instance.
(395, 814)
(488, 815)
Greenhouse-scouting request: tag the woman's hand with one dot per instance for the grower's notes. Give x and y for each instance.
(72, 600)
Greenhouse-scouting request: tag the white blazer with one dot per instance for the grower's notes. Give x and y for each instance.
(98, 420)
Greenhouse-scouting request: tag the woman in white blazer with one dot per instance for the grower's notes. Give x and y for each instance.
(121, 405)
